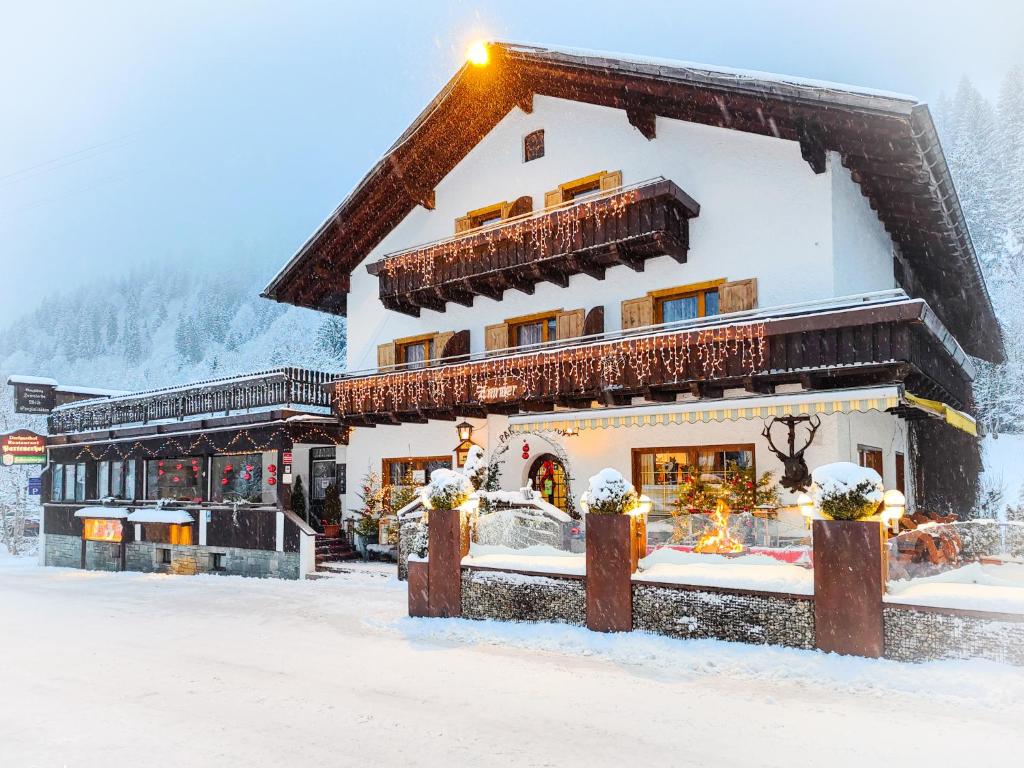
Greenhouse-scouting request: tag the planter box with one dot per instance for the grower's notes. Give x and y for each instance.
(332, 530)
(609, 567)
(418, 589)
(444, 575)
(849, 581)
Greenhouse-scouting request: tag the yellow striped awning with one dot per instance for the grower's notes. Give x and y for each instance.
(759, 407)
(952, 416)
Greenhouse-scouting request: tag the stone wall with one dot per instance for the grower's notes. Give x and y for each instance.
(747, 618)
(912, 635)
(143, 556)
(517, 597)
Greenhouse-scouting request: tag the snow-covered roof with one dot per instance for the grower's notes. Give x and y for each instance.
(160, 515)
(42, 381)
(102, 513)
(75, 389)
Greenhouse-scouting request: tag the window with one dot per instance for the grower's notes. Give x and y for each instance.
(80, 481)
(588, 186)
(687, 302)
(533, 329)
(415, 469)
(217, 561)
(870, 457)
(237, 478)
(115, 479)
(415, 352)
(660, 472)
(163, 556)
(182, 479)
(533, 146)
(57, 482)
(901, 473)
(163, 533)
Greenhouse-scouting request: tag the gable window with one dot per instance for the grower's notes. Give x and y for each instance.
(533, 145)
(687, 302)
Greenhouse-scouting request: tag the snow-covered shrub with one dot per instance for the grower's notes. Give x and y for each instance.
(447, 489)
(609, 493)
(845, 491)
(475, 467)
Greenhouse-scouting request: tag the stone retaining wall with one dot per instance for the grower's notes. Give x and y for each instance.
(688, 612)
(915, 635)
(509, 596)
(66, 551)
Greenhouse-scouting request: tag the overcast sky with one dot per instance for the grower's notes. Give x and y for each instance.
(222, 133)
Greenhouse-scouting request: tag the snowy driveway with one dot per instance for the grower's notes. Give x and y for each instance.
(131, 669)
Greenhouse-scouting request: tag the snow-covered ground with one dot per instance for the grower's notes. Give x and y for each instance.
(104, 669)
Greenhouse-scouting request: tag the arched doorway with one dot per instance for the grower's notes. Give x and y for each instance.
(548, 475)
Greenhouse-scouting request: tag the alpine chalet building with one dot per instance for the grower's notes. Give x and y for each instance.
(586, 260)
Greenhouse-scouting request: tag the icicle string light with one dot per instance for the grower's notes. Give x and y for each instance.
(627, 364)
(549, 234)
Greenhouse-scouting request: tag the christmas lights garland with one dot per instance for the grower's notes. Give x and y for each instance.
(546, 235)
(680, 356)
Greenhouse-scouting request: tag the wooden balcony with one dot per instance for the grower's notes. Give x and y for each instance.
(279, 387)
(625, 226)
(896, 341)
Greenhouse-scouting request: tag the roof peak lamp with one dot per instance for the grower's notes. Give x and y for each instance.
(477, 54)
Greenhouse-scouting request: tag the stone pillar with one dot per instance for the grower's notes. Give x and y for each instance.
(419, 600)
(849, 581)
(609, 588)
(444, 563)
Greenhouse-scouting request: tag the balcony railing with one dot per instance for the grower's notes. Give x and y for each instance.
(279, 387)
(626, 226)
(885, 338)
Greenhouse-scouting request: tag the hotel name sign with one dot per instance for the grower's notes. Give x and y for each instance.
(499, 390)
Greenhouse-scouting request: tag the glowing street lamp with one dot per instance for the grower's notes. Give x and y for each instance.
(477, 54)
(894, 506)
(465, 431)
(806, 506)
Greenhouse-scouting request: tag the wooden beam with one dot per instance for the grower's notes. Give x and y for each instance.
(644, 120)
(812, 145)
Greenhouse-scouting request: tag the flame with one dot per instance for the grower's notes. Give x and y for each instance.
(718, 541)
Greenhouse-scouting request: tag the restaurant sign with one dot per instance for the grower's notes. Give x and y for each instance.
(500, 390)
(34, 398)
(22, 447)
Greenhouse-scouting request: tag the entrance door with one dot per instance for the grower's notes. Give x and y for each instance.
(548, 476)
(322, 472)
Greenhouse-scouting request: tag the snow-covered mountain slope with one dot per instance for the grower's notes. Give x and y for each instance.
(163, 325)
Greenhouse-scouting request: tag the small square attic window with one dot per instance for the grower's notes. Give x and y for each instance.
(533, 145)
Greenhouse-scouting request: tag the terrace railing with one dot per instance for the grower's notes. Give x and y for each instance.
(625, 225)
(278, 387)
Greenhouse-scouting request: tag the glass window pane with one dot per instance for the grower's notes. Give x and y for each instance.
(416, 355)
(711, 303)
(531, 333)
(102, 479)
(117, 479)
(69, 482)
(679, 309)
(129, 479)
(80, 482)
(57, 475)
(180, 479)
(238, 478)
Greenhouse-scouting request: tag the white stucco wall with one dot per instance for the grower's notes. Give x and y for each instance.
(836, 440)
(764, 214)
(862, 251)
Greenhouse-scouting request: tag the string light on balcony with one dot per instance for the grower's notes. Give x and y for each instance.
(628, 364)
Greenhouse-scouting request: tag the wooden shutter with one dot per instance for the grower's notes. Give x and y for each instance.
(386, 355)
(611, 180)
(636, 313)
(737, 295)
(569, 325)
(440, 342)
(594, 324)
(520, 206)
(554, 197)
(463, 224)
(496, 337)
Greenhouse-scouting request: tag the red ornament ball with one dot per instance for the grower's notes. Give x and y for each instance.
(246, 476)
(248, 467)
(177, 466)
(229, 468)
(224, 481)
(526, 455)
(176, 479)
(160, 472)
(272, 468)
(271, 481)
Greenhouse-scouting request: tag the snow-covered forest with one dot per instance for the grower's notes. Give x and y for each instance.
(159, 325)
(984, 145)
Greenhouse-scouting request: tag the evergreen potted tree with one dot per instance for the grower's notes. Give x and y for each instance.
(331, 517)
(298, 499)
